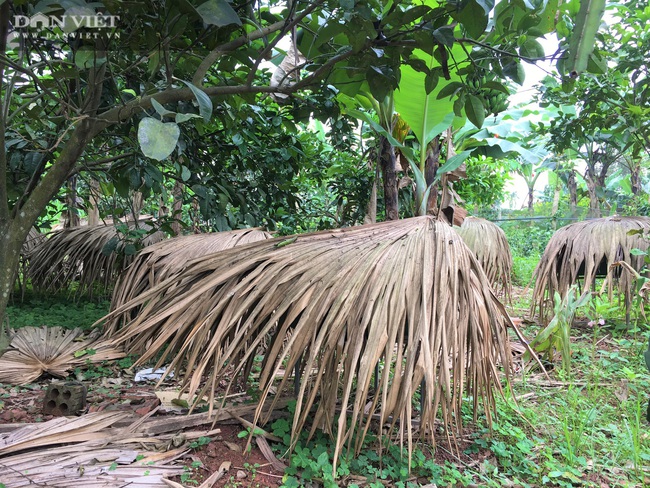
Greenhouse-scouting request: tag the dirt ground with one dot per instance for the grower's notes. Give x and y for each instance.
(226, 449)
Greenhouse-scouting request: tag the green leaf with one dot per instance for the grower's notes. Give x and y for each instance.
(186, 174)
(430, 81)
(180, 118)
(532, 49)
(445, 35)
(473, 17)
(162, 111)
(475, 110)
(87, 59)
(218, 12)
(449, 90)
(205, 104)
(157, 139)
(453, 162)
(637, 252)
(515, 71)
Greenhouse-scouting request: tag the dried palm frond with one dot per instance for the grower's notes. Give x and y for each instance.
(490, 245)
(37, 350)
(85, 449)
(407, 296)
(81, 254)
(33, 240)
(586, 249)
(167, 258)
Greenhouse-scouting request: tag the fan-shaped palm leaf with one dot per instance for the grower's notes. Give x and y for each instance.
(587, 249)
(37, 350)
(78, 255)
(407, 295)
(490, 245)
(155, 263)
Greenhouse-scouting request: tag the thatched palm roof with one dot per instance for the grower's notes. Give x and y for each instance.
(79, 254)
(158, 262)
(406, 295)
(587, 249)
(490, 245)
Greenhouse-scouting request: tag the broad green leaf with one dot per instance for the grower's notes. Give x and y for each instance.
(218, 12)
(475, 110)
(157, 139)
(427, 115)
(205, 104)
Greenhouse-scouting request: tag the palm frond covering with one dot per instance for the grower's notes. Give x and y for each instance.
(78, 255)
(490, 245)
(586, 249)
(407, 295)
(158, 262)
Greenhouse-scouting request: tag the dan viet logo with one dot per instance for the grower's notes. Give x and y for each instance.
(82, 25)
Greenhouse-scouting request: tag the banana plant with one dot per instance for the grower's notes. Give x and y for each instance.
(423, 101)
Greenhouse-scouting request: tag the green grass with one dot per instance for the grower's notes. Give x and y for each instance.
(55, 310)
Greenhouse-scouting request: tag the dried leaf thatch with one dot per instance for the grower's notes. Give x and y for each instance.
(79, 255)
(490, 245)
(406, 295)
(587, 249)
(37, 350)
(158, 262)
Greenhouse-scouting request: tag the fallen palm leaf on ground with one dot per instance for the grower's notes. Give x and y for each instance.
(490, 245)
(167, 258)
(103, 449)
(54, 350)
(90, 461)
(407, 296)
(586, 249)
(89, 256)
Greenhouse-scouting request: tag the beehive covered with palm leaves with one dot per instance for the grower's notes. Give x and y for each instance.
(406, 297)
(158, 262)
(580, 252)
(490, 245)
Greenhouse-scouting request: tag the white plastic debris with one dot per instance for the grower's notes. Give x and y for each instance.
(149, 374)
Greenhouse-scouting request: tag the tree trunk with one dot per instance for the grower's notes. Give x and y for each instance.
(177, 208)
(93, 203)
(573, 192)
(430, 171)
(71, 211)
(371, 208)
(13, 236)
(556, 199)
(635, 179)
(594, 204)
(530, 200)
(387, 160)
